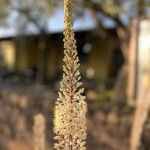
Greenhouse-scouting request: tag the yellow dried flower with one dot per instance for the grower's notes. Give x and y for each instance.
(39, 132)
(70, 110)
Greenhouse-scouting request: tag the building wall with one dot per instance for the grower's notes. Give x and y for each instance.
(8, 53)
(100, 58)
(25, 57)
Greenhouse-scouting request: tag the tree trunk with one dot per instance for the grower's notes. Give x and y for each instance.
(120, 84)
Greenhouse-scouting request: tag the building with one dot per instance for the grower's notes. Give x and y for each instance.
(97, 54)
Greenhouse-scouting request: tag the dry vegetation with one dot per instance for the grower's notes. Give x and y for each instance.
(70, 111)
(109, 126)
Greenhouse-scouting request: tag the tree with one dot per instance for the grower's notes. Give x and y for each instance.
(128, 38)
(120, 12)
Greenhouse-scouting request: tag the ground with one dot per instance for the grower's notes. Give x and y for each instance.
(109, 125)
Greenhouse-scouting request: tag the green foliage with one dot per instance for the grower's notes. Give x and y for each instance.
(3, 11)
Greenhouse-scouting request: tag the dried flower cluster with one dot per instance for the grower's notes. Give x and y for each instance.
(39, 132)
(70, 110)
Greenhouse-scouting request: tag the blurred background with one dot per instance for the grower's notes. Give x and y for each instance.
(114, 51)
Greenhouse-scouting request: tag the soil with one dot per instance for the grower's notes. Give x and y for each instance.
(108, 127)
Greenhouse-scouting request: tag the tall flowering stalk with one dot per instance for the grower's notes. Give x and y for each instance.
(70, 109)
(39, 132)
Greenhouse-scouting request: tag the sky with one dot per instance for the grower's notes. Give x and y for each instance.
(54, 23)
